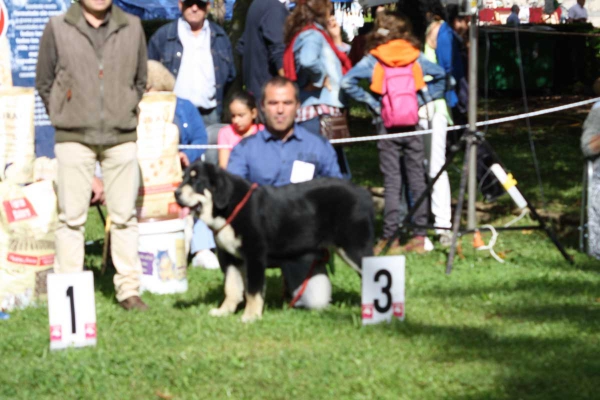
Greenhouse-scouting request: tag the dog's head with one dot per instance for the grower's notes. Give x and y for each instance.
(205, 186)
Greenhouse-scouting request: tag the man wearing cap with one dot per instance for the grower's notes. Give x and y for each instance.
(198, 53)
(91, 74)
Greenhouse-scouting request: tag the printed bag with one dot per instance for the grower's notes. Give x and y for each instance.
(399, 106)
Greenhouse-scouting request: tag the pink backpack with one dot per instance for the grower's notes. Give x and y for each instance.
(399, 106)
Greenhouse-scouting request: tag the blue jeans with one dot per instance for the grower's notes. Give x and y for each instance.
(210, 117)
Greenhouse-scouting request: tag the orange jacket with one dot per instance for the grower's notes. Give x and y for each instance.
(396, 53)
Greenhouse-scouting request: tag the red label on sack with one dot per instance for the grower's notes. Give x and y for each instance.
(22, 259)
(156, 189)
(47, 260)
(3, 18)
(367, 311)
(18, 210)
(25, 259)
(398, 309)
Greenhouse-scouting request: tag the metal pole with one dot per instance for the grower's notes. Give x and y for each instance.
(472, 183)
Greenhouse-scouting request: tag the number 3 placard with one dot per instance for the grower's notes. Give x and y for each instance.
(71, 310)
(382, 289)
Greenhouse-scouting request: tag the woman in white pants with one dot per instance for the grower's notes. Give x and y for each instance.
(438, 118)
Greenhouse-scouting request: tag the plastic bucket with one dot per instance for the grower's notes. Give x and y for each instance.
(163, 256)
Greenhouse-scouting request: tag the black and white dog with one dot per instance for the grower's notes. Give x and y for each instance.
(274, 225)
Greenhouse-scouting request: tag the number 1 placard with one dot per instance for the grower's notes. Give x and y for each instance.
(71, 310)
(382, 289)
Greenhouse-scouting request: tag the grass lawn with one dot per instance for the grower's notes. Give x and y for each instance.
(528, 328)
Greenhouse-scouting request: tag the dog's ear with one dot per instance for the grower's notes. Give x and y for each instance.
(222, 188)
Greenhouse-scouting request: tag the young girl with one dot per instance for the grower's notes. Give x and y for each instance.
(393, 45)
(243, 116)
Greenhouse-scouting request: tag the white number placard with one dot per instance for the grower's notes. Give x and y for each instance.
(382, 289)
(71, 310)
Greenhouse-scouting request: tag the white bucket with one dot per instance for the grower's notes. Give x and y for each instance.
(162, 253)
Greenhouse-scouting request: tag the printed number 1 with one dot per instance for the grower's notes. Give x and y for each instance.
(71, 296)
(385, 290)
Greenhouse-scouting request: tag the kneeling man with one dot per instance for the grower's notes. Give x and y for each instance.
(281, 154)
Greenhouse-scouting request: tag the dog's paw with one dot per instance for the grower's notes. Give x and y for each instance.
(250, 317)
(219, 312)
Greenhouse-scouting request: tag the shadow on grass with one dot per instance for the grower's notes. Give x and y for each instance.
(273, 297)
(533, 367)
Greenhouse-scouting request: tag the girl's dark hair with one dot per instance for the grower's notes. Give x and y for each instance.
(396, 26)
(436, 9)
(245, 98)
(305, 13)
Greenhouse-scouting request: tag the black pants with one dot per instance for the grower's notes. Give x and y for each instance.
(390, 166)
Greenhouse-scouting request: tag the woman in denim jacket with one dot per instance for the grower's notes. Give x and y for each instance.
(392, 43)
(315, 63)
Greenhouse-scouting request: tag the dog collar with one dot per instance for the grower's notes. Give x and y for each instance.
(238, 208)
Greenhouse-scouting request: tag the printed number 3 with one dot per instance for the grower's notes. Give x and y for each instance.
(385, 290)
(71, 296)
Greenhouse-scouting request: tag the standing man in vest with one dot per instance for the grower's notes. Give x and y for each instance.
(91, 75)
(198, 53)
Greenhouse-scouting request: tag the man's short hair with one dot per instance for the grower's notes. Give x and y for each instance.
(514, 8)
(280, 81)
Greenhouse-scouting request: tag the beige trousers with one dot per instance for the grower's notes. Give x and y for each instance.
(120, 170)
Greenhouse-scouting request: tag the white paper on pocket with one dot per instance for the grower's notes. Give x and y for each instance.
(302, 172)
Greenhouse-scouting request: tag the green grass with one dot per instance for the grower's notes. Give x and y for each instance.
(526, 329)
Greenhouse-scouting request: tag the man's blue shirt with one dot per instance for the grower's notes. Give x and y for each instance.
(267, 160)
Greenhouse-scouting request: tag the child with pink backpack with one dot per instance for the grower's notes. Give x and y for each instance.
(395, 67)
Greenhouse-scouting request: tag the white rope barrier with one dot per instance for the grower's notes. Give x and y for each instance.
(426, 131)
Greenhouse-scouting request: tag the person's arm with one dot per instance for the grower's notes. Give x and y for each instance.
(350, 83)
(328, 165)
(223, 153)
(309, 57)
(141, 76)
(590, 140)
(237, 163)
(224, 157)
(232, 72)
(195, 132)
(154, 49)
(272, 30)
(241, 44)
(46, 64)
(443, 51)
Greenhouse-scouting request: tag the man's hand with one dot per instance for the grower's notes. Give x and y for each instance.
(335, 30)
(594, 144)
(185, 162)
(97, 191)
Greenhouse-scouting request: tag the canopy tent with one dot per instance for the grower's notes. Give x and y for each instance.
(150, 9)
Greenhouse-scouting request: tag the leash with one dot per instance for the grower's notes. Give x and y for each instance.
(238, 208)
(298, 295)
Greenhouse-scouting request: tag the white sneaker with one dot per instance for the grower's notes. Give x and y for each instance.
(205, 259)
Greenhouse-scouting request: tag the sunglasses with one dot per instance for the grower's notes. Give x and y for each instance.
(199, 3)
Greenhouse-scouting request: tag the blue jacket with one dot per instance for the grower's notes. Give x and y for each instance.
(266, 160)
(261, 46)
(191, 128)
(364, 70)
(165, 46)
(315, 60)
(448, 53)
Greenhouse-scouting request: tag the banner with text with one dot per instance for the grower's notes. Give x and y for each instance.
(22, 22)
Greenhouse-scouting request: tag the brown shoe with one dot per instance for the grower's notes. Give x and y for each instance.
(133, 303)
(415, 245)
(394, 248)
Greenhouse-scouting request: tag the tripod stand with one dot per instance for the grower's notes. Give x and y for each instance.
(469, 139)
